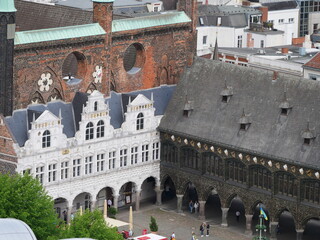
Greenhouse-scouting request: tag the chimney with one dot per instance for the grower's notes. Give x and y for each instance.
(264, 17)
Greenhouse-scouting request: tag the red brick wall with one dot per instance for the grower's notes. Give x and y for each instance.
(6, 143)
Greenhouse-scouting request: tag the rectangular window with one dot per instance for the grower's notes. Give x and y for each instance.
(52, 172)
(64, 170)
(281, 21)
(156, 9)
(204, 40)
(145, 153)
(123, 157)
(218, 21)
(155, 151)
(291, 20)
(88, 165)
(40, 173)
(112, 159)
(76, 169)
(100, 162)
(201, 21)
(239, 45)
(262, 44)
(134, 155)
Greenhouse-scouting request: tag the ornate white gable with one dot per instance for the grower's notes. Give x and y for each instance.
(139, 103)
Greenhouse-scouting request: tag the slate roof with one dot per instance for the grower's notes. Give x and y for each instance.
(314, 63)
(231, 16)
(31, 16)
(270, 134)
(283, 5)
(20, 122)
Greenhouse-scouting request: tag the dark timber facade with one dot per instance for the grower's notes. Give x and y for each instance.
(236, 133)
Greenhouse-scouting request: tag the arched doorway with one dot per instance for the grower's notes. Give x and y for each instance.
(190, 195)
(169, 197)
(82, 200)
(127, 194)
(61, 208)
(236, 215)
(256, 219)
(213, 207)
(148, 194)
(104, 194)
(287, 229)
(312, 230)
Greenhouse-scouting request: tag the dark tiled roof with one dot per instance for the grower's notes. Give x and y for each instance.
(273, 6)
(314, 62)
(20, 122)
(31, 16)
(270, 133)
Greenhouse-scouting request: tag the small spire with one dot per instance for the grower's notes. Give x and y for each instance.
(216, 53)
(129, 99)
(33, 117)
(152, 96)
(60, 116)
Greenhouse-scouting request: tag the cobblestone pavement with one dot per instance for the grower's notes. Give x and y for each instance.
(181, 223)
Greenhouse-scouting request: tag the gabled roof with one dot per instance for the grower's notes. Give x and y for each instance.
(20, 121)
(314, 63)
(270, 134)
(53, 34)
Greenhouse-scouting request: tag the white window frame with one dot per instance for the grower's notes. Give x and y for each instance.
(155, 151)
(134, 155)
(101, 162)
(52, 172)
(40, 173)
(64, 170)
(76, 167)
(145, 152)
(112, 159)
(88, 165)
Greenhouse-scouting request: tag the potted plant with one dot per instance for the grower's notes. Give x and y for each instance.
(153, 225)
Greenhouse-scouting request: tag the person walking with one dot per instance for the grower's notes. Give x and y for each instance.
(196, 206)
(193, 236)
(191, 206)
(237, 216)
(173, 236)
(201, 229)
(208, 229)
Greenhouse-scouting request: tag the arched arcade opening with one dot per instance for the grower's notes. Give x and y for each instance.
(213, 207)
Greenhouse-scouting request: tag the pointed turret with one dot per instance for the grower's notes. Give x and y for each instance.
(216, 52)
(7, 33)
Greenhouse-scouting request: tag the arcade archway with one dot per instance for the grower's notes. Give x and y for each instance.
(213, 207)
(236, 215)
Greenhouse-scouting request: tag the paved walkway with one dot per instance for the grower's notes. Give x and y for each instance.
(181, 223)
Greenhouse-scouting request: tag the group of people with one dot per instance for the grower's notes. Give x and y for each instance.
(204, 227)
(193, 206)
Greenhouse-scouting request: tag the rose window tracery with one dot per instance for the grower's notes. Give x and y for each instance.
(45, 82)
(97, 75)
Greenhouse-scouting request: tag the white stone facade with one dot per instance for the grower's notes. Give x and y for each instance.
(96, 157)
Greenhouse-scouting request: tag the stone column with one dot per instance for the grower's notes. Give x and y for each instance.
(93, 205)
(138, 200)
(224, 222)
(69, 211)
(248, 224)
(159, 194)
(299, 234)
(273, 230)
(115, 201)
(201, 210)
(179, 203)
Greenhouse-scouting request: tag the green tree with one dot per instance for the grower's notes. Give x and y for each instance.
(90, 225)
(153, 225)
(24, 198)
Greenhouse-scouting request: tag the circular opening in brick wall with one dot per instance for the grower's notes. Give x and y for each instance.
(74, 67)
(133, 59)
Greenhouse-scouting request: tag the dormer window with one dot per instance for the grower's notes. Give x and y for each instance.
(100, 129)
(188, 108)
(89, 131)
(140, 121)
(226, 93)
(244, 122)
(95, 106)
(46, 139)
(285, 106)
(307, 135)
